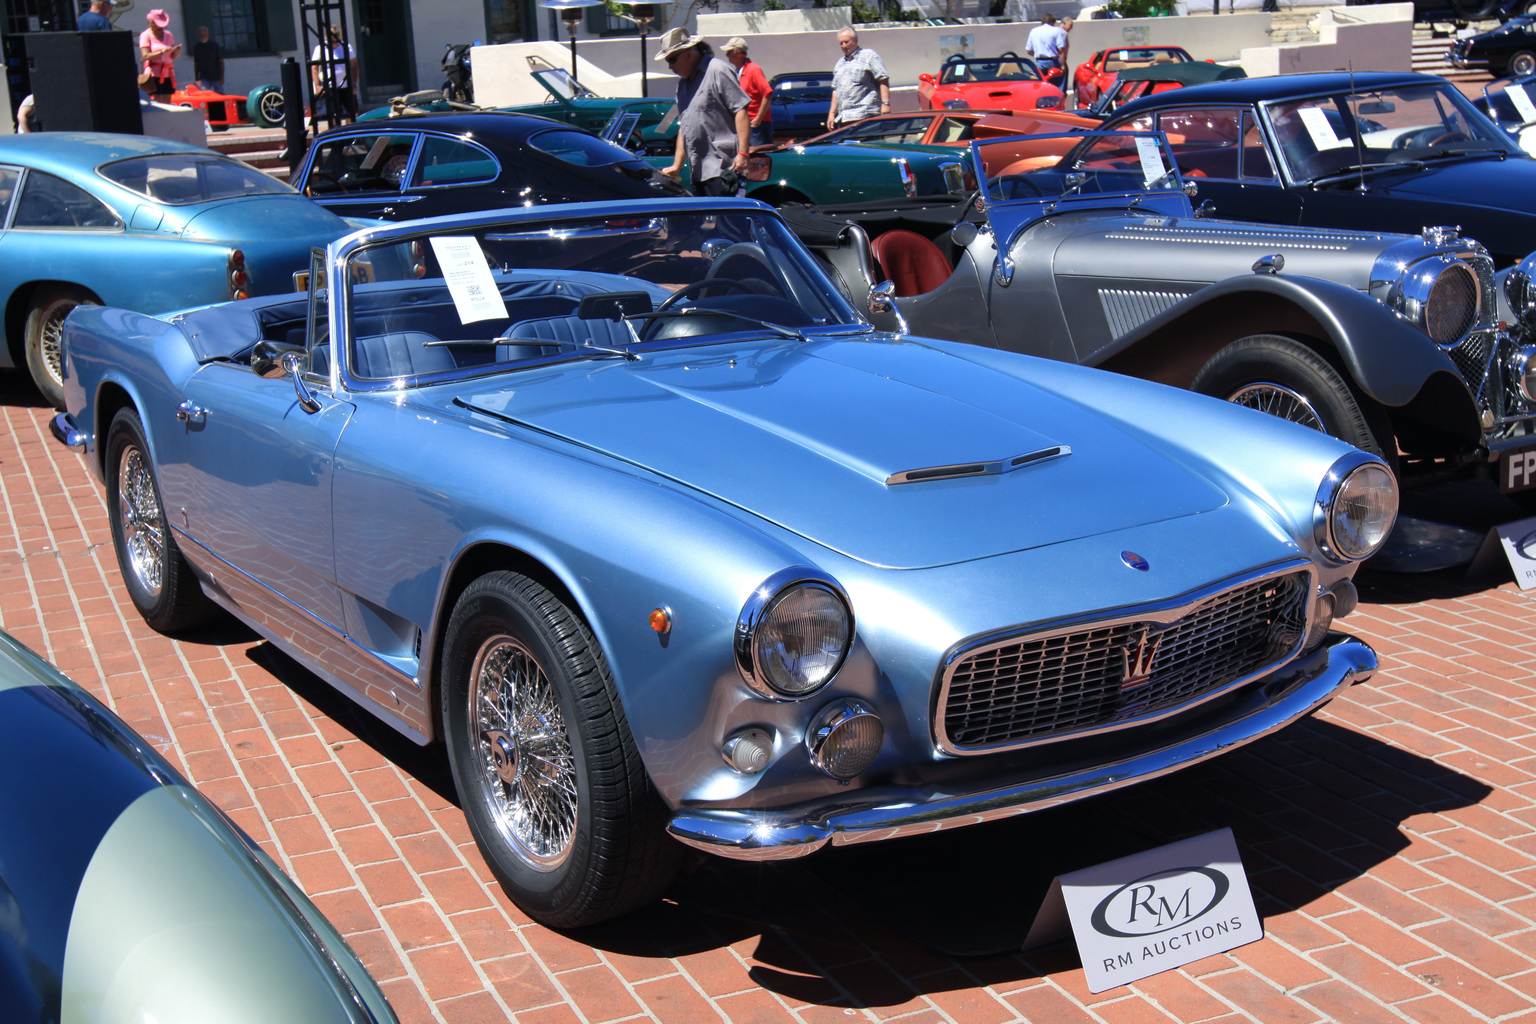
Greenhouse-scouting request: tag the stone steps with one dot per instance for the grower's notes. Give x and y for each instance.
(262, 148)
(1432, 45)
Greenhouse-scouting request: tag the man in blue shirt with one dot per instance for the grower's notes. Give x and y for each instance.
(95, 18)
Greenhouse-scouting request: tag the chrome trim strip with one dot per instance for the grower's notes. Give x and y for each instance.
(964, 469)
(891, 812)
(1166, 611)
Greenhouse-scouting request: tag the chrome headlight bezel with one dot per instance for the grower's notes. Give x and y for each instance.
(1416, 297)
(1520, 292)
(765, 597)
(1345, 471)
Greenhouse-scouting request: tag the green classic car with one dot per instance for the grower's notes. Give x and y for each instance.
(574, 103)
(849, 172)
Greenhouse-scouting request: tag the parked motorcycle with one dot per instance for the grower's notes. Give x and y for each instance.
(458, 86)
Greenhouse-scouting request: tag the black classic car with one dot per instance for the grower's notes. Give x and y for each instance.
(1395, 343)
(1460, 11)
(425, 165)
(1509, 49)
(1370, 152)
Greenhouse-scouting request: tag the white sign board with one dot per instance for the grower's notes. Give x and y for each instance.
(468, 278)
(1517, 541)
(1316, 123)
(1151, 154)
(1159, 909)
(1522, 101)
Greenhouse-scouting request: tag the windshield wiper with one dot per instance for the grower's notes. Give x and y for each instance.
(670, 314)
(1450, 154)
(1355, 171)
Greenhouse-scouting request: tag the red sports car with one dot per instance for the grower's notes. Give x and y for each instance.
(263, 107)
(1097, 76)
(1009, 82)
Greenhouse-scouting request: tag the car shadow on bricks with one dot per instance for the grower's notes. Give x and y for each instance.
(1313, 808)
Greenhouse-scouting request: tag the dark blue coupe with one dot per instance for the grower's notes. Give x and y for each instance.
(1379, 152)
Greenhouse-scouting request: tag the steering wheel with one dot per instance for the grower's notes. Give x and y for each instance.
(328, 176)
(708, 282)
(1450, 136)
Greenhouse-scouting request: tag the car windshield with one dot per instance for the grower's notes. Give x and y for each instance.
(1357, 132)
(180, 179)
(563, 85)
(522, 292)
(1096, 164)
(1140, 57)
(1008, 68)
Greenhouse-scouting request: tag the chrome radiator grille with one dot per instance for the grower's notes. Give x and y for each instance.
(1020, 691)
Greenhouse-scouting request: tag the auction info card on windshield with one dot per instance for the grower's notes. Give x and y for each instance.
(1160, 909)
(468, 278)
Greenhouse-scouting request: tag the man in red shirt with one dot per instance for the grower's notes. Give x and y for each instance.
(755, 84)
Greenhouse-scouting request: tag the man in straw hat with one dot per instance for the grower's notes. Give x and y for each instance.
(712, 128)
(755, 84)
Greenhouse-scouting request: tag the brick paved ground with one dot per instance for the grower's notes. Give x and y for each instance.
(1389, 840)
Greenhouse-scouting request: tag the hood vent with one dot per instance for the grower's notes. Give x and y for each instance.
(963, 469)
(1126, 310)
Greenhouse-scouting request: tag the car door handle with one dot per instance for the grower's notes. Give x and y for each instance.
(190, 412)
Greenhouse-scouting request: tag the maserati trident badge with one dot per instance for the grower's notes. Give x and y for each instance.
(1137, 657)
(1135, 561)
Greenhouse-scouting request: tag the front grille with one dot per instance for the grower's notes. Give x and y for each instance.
(1025, 690)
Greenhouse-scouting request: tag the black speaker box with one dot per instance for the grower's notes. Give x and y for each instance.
(85, 81)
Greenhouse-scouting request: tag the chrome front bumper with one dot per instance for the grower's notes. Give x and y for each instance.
(889, 812)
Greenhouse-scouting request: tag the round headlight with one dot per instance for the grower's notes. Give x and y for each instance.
(1357, 505)
(1519, 292)
(1440, 295)
(793, 634)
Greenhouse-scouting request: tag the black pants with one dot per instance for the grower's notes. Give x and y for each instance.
(724, 185)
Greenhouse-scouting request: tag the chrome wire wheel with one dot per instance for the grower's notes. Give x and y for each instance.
(1277, 400)
(51, 342)
(143, 521)
(524, 753)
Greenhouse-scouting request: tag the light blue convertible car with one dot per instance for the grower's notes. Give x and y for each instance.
(631, 508)
(138, 223)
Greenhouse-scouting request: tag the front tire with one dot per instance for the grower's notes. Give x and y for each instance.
(44, 337)
(545, 766)
(1522, 63)
(158, 579)
(1285, 378)
(265, 105)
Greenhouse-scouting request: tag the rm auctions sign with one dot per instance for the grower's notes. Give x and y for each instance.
(1153, 911)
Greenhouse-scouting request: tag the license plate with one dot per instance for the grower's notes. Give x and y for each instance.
(1517, 469)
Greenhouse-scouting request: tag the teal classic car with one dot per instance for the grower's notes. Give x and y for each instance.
(142, 223)
(574, 103)
(845, 170)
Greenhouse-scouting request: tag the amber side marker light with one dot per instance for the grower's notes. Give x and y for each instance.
(661, 620)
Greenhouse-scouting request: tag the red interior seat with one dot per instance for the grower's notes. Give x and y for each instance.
(914, 263)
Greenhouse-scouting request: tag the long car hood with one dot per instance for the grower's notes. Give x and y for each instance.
(266, 219)
(807, 436)
(1503, 184)
(1200, 250)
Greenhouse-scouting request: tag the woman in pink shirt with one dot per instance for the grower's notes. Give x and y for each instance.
(159, 49)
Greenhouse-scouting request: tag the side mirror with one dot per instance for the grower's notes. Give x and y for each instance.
(267, 359)
(963, 234)
(882, 302)
(293, 364)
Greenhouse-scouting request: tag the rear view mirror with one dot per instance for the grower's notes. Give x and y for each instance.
(1375, 107)
(613, 305)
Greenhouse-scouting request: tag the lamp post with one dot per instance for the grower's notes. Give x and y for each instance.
(570, 13)
(642, 15)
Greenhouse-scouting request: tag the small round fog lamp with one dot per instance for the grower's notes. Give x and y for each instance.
(844, 738)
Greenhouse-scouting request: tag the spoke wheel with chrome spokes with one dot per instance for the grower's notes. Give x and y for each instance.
(158, 579)
(1283, 377)
(546, 769)
(44, 337)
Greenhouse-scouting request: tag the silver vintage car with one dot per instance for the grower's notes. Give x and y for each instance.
(1392, 342)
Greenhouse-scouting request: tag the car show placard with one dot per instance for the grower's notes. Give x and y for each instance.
(468, 278)
(1516, 541)
(1155, 910)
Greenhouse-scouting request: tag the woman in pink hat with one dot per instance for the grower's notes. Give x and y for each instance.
(159, 49)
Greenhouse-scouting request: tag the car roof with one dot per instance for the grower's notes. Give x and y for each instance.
(1278, 87)
(801, 74)
(504, 124)
(1189, 73)
(76, 152)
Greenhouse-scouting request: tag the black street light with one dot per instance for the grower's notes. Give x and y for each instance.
(570, 13)
(642, 15)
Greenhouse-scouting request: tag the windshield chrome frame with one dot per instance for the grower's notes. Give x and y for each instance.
(341, 252)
